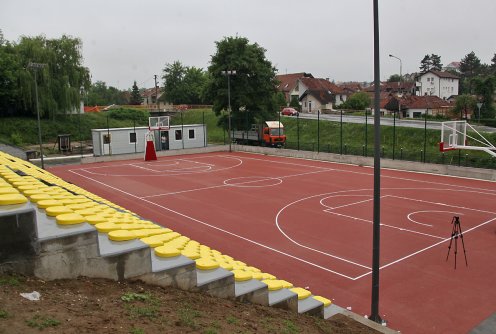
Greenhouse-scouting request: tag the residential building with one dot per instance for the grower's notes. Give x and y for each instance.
(454, 66)
(318, 94)
(149, 96)
(438, 83)
(417, 106)
(287, 84)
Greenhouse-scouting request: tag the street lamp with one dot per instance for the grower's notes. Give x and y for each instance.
(479, 105)
(228, 73)
(36, 67)
(399, 104)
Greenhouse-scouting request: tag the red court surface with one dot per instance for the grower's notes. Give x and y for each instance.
(310, 222)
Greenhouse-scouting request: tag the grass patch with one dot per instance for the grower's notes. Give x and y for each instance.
(290, 328)
(187, 317)
(3, 314)
(9, 281)
(232, 320)
(132, 296)
(136, 331)
(141, 305)
(41, 322)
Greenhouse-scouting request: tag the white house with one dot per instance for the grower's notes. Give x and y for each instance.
(318, 94)
(438, 83)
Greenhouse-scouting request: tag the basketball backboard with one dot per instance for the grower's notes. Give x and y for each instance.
(454, 136)
(158, 123)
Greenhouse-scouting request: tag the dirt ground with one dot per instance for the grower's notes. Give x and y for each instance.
(102, 306)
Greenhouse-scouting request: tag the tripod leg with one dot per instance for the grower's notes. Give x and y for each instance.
(456, 247)
(463, 245)
(451, 241)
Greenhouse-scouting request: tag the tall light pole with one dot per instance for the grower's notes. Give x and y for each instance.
(399, 104)
(376, 231)
(36, 67)
(228, 73)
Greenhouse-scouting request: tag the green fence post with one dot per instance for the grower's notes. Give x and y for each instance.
(341, 133)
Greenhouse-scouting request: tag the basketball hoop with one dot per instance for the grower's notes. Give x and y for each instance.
(156, 123)
(454, 137)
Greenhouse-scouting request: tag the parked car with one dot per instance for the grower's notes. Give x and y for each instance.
(289, 112)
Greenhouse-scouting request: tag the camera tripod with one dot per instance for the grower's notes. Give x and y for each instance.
(456, 233)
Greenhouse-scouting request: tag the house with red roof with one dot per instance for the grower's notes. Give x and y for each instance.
(319, 95)
(287, 84)
(417, 106)
(150, 97)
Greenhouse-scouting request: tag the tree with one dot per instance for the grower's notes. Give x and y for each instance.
(183, 84)
(431, 62)
(252, 87)
(357, 101)
(9, 67)
(484, 86)
(394, 78)
(59, 82)
(101, 95)
(173, 77)
(492, 67)
(470, 67)
(193, 85)
(295, 103)
(436, 63)
(425, 64)
(135, 98)
(280, 100)
(463, 104)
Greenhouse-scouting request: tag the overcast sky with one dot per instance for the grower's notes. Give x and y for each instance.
(129, 40)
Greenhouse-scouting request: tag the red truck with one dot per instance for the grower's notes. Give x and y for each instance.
(271, 133)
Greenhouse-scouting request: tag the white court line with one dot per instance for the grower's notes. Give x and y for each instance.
(426, 248)
(165, 172)
(443, 204)
(428, 211)
(149, 169)
(219, 229)
(231, 185)
(491, 191)
(345, 205)
(386, 225)
(197, 162)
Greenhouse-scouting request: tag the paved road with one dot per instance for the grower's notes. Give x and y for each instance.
(387, 121)
(15, 151)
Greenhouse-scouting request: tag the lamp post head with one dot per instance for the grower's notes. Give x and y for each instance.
(36, 65)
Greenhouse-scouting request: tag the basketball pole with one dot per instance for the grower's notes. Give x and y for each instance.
(374, 314)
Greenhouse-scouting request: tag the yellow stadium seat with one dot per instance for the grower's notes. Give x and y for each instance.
(12, 199)
(302, 293)
(69, 219)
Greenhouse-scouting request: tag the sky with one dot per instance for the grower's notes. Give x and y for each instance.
(125, 40)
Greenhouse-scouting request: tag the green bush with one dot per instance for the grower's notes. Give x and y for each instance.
(16, 138)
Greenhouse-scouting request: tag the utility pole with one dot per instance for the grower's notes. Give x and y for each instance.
(228, 73)
(156, 94)
(36, 67)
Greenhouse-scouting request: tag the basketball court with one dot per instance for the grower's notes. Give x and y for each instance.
(310, 222)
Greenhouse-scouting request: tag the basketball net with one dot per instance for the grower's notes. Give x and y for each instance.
(150, 153)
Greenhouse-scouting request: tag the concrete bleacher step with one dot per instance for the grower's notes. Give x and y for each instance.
(179, 272)
(216, 282)
(252, 291)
